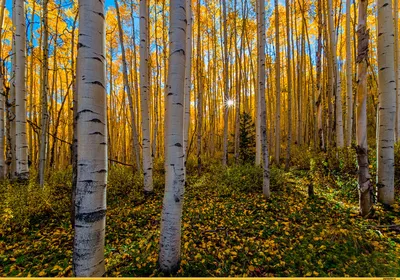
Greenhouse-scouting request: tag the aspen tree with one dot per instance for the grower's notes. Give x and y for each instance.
(90, 194)
(336, 82)
(11, 162)
(2, 94)
(277, 88)
(397, 66)
(200, 92)
(170, 239)
(261, 93)
(44, 93)
(319, 102)
(387, 103)
(349, 79)
(226, 85)
(144, 95)
(21, 144)
(365, 188)
(188, 76)
(289, 82)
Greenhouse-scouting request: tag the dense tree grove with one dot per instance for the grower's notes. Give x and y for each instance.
(174, 121)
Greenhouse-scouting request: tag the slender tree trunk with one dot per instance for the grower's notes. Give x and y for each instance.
(2, 95)
(365, 188)
(200, 93)
(21, 143)
(387, 102)
(188, 78)
(144, 95)
(349, 79)
(127, 86)
(90, 198)
(397, 66)
(44, 90)
(2, 111)
(336, 84)
(289, 82)
(319, 102)
(261, 92)
(278, 87)
(170, 240)
(226, 85)
(31, 91)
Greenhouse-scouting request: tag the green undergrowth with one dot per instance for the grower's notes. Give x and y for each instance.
(228, 228)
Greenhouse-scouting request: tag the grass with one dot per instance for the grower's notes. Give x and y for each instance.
(228, 229)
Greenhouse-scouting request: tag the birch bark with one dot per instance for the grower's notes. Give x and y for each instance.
(90, 193)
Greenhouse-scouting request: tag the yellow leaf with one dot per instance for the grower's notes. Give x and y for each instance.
(251, 268)
(42, 273)
(57, 267)
(308, 274)
(315, 273)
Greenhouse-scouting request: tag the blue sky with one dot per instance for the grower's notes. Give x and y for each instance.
(107, 3)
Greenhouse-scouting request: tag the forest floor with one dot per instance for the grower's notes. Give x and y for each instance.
(228, 228)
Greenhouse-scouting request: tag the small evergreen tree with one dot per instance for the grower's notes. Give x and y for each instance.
(247, 139)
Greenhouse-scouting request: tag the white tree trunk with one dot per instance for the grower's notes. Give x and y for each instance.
(277, 88)
(349, 81)
(289, 83)
(90, 196)
(319, 102)
(21, 143)
(365, 188)
(144, 95)
(170, 240)
(226, 86)
(397, 66)
(261, 93)
(336, 78)
(257, 102)
(188, 77)
(387, 102)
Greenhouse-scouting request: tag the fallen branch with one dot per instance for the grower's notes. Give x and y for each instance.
(120, 162)
(36, 127)
(383, 226)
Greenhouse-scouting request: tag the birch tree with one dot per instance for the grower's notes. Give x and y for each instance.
(387, 103)
(170, 240)
(21, 143)
(144, 95)
(90, 194)
(365, 188)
